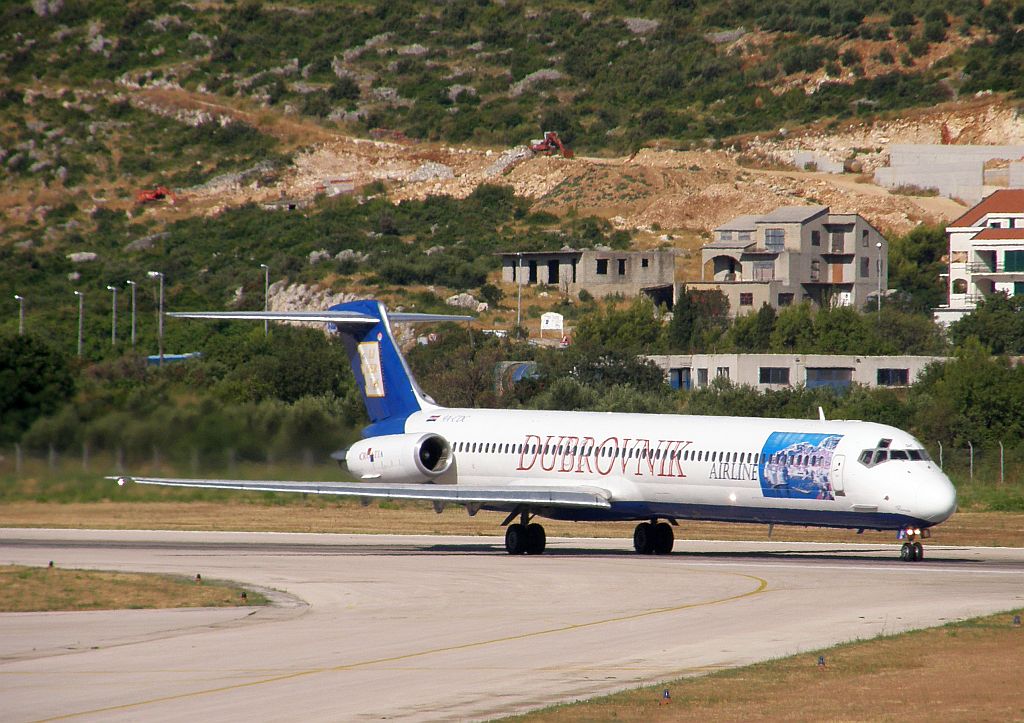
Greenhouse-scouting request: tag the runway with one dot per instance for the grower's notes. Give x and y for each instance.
(451, 628)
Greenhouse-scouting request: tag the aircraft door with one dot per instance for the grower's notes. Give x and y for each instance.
(838, 462)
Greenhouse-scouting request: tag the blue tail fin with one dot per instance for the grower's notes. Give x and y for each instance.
(387, 385)
(389, 390)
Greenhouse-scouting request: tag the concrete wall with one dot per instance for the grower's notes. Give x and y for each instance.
(957, 171)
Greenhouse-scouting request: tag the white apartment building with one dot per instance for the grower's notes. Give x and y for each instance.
(986, 253)
(792, 254)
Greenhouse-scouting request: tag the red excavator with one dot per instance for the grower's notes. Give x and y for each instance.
(148, 195)
(549, 145)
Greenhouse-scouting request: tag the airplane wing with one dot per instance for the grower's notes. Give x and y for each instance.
(578, 497)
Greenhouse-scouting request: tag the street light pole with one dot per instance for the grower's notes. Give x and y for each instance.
(21, 314)
(266, 296)
(160, 317)
(878, 263)
(113, 315)
(132, 284)
(81, 309)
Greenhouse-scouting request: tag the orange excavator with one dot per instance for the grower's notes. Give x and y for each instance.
(148, 195)
(549, 145)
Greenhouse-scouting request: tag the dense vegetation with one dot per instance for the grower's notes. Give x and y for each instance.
(605, 76)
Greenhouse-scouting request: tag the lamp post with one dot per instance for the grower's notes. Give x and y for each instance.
(21, 314)
(160, 317)
(113, 315)
(81, 309)
(266, 296)
(878, 263)
(132, 284)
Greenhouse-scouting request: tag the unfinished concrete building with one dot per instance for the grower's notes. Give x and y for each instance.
(793, 254)
(600, 271)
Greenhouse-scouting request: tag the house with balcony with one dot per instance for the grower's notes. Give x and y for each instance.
(986, 253)
(793, 254)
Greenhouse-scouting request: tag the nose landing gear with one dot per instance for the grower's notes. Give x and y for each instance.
(912, 549)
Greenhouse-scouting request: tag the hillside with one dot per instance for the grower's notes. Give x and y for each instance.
(682, 115)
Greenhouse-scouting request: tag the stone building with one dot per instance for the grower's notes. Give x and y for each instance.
(792, 254)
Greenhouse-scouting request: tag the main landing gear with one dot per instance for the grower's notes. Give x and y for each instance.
(524, 537)
(912, 550)
(653, 538)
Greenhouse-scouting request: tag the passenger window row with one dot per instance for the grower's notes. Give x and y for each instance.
(686, 455)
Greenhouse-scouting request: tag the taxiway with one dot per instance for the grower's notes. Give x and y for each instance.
(442, 628)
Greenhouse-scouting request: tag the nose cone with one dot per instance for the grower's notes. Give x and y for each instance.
(936, 498)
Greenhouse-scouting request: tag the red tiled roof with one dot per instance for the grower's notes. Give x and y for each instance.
(1010, 200)
(999, 234)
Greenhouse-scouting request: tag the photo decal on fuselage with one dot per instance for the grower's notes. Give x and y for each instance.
(798, 465)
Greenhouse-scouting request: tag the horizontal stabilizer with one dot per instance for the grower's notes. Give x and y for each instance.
(329, 317)
(575, 497)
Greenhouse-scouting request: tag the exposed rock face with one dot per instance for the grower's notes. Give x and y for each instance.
(81, 257)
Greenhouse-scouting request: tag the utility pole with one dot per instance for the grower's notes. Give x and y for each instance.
(132, 284)
(266, 296)
(21, 314)
(113, 315)
(160, 317)
(81, 309)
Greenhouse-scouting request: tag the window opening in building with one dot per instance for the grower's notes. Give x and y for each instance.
(644, 263)
(893, 377)
(746, 299)
(774, 238)
(815, 238)
(602, 267)
(785, 299)
(622, 267)
(773, 375)
(865, 267)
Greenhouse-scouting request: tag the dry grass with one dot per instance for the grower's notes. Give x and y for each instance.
(42, 589)
(966, 671)
(965, 528)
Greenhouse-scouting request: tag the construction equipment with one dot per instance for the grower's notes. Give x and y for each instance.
(148, 195)
(549, 145)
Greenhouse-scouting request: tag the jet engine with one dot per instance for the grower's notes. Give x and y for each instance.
(409, 458)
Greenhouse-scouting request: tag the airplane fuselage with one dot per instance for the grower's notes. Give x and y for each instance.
(739, 469)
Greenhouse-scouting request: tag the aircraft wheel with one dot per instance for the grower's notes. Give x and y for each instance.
(907, 552)
(536, 540)
(515, 539)
(643, 538)
(918, 551)
(663, 538)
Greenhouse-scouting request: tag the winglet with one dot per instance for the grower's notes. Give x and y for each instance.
(821, 414)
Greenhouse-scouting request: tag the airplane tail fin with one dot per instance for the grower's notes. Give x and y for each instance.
(389, 389)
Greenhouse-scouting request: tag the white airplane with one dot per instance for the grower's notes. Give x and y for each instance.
(589, 466)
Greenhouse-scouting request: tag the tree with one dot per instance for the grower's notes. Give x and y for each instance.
(997, 323)
(753, 332)
(34, 381)
(635, 329)
(680, 331)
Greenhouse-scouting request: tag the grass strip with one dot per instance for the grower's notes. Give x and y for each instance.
(46, 589)
(967, 670)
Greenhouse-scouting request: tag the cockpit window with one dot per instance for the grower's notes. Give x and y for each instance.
(883, 453)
